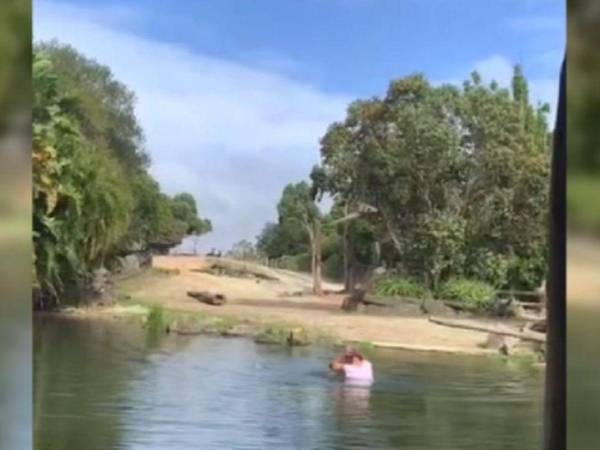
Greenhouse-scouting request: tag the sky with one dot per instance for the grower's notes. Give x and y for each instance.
(234, 95)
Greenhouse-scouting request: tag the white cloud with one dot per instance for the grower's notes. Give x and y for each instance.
(231, 134)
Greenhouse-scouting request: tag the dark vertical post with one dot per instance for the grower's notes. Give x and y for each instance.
(555, 401)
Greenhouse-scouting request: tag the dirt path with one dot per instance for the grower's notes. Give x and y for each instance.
(264, 301)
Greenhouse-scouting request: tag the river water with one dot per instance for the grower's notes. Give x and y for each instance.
(101, 385)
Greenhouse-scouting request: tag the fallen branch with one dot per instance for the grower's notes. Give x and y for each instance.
(367, 302)
(538, 325)
(522, 315)
(208, 297)
(460, 306)
(530, 305)
(524, 335)
(521, 293)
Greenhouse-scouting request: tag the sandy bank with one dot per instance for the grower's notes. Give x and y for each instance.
(264, 301)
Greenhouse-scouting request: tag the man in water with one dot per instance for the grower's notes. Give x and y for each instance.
(354, 366)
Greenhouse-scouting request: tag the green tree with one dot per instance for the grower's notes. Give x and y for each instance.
(93, 198)
(449, 172)
(81, 204)
(300, 216)
(185, 210)
(270, 241)
(103, 106)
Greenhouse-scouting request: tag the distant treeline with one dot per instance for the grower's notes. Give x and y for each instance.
(93, 197)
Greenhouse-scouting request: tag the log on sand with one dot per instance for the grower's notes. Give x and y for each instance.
(523, 315)
(538, 326)
(487, 328)
(358, 298)
(531, 305)
(461, 307)
(208, 297)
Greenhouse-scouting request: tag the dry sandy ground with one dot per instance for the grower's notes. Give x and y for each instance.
(267, 301)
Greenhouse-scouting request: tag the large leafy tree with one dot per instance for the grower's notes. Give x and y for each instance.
(81, 204)
(185, 210)
(271, 241)
(103, 106)
(458, 177)
(92, 195)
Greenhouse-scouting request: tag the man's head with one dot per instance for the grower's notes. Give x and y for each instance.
(353, 356)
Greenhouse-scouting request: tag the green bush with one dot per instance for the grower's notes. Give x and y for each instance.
(302, 262)
(333, 267)
(297, 263)
(472, 292)
(156, 319)
(402, 287)
(282, 334)
(491, 267)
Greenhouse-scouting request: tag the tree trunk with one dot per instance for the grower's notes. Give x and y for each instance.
(345, 248)
(351, 264)
(316, 258)
(389, 228)
(348, 256)
(377, 253)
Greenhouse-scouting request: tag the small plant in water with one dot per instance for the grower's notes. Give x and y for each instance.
(365, 345)
(282, 334)
(156, 318)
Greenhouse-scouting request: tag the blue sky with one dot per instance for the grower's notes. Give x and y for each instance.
(234, 95)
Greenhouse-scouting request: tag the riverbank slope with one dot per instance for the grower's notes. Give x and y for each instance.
(279, 296)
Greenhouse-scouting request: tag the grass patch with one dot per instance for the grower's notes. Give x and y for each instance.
(156, 318)
(477, 294)
(364, 345)
(274, 333)
(221, 325)
(283, 334)
(401, 287)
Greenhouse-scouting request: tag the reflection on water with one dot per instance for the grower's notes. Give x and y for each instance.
(353, 401)
(107, 386)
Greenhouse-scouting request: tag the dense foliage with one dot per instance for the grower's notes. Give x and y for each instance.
(441, 182)
(401, 287)
(458, 177)
(471, 292)
(93, 197)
